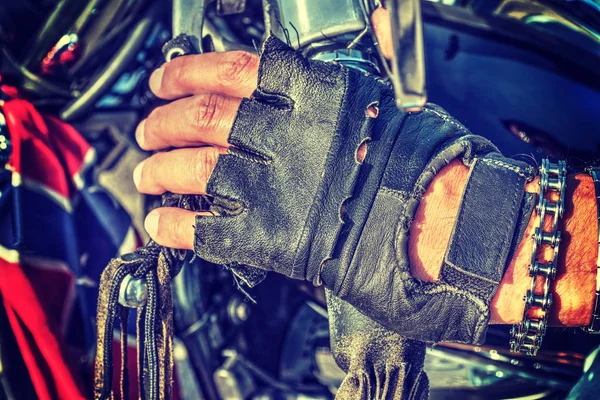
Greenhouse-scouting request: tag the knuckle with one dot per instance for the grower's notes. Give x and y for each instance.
(174, 228)
(207, 110)
(177, 229)
(168, 228)
(237, 68)
(203, 164)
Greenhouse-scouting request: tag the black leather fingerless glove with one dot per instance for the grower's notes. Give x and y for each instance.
(280, 189)
(292, 197)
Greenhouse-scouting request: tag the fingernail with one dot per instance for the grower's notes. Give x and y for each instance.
(137, 173)
(139, 133)
(151, 223)
(156, 80)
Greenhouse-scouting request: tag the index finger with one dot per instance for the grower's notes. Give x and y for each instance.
(233, 73)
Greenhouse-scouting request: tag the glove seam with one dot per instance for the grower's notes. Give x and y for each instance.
(447, 118)
(517, 170)
(399, 194)
(249, 155)
(464, 271)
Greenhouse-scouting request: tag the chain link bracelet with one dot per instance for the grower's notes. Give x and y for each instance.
(527, 336)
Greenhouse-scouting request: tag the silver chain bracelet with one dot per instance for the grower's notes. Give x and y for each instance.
(527, 336)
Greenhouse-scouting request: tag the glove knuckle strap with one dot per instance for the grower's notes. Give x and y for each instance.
(485, 226)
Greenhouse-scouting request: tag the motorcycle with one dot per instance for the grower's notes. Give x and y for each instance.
(521, 73)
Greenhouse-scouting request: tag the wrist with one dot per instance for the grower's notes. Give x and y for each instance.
(434, 221)
(574, 286)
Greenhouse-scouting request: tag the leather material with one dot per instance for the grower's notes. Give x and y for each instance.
(297, 178)
(485, 226)
(295, 200)
(379, 363)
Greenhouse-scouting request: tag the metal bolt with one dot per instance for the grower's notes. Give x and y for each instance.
(133, 292)
(238, 310)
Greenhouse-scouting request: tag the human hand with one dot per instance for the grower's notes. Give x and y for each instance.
(304, 123)
(206, 91)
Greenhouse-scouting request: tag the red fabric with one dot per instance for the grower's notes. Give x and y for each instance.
(43, 146)
(37, 337)
(37, 295)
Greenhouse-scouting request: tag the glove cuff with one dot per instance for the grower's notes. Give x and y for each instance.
(380, 364)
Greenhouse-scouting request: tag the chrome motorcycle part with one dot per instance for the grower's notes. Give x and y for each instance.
(232, 379)
(527, 336)
(408, 62)
(187, 19)
(338, 29)
(238, 310)
(493, 372)
(55, 26)
(51, 63)
(193, 19)
(113, 70)
(360, 60)
(310, 21)
(341, 31)
(133, 292)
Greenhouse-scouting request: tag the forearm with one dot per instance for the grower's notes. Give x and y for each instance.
(576, 276)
